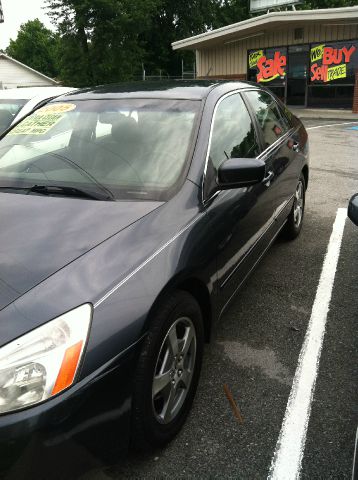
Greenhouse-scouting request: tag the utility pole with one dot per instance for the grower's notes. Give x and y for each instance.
(1, 14)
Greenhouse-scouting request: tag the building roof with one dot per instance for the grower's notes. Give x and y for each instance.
(259, 25)
(3, 55)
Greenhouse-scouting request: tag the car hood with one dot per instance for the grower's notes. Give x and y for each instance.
(40, 235)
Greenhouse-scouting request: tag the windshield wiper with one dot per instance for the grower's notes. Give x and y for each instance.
(61, 190)
(75, 166)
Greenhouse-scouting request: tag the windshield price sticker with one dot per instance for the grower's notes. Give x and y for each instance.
(43, 120)
(56, 108)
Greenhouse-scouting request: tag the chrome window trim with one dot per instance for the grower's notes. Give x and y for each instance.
(229, 94)
(274, 145)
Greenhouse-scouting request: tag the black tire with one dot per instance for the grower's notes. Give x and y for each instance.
(292, 228)
(148, 429)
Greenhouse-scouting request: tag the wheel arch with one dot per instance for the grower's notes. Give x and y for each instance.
(195, 287)
(305, 173)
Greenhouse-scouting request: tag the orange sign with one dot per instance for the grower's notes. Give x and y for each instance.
(269, 69)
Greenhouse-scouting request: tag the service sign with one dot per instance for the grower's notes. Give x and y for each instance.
(333, 61)
(268, 65)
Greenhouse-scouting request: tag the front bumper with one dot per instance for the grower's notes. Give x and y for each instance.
(83, 428)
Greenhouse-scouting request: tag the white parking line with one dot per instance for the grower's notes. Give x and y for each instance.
(331, 125)
(286, 462)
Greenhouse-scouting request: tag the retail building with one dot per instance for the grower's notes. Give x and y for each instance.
(307, 57)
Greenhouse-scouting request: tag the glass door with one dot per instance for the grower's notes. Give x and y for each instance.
(297, 74)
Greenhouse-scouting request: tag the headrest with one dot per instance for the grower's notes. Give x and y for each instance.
(109, 118)
(125, 130)
(5, 118)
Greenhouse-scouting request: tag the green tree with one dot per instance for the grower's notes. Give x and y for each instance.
(100, 39)
(72, 19)
(231, 11)
(314, 4)
(36, 46)
(108, 40)
(172, 21)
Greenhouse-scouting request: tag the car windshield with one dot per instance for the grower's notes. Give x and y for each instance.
(8, 111)
(132, 149)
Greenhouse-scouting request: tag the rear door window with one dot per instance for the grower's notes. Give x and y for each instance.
(267, 112)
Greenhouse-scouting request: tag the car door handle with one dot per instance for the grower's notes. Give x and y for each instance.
(268, 177)
(295, 146)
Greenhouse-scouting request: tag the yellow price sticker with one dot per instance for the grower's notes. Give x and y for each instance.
(56, 108)
(43, 119)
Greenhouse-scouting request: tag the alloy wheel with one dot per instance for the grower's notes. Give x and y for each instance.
(298, 204)
(174, 370)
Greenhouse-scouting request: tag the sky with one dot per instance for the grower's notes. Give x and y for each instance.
(17, 12)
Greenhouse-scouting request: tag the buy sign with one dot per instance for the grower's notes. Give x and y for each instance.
(330, 57)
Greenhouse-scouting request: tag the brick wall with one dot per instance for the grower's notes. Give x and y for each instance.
(355, 95)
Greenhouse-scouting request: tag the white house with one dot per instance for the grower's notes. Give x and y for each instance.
(14, 74)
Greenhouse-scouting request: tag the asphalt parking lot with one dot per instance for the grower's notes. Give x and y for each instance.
(255, 348)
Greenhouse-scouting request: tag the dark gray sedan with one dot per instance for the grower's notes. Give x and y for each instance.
(130, 216)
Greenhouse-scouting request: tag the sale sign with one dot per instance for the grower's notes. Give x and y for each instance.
(267, 65)
(331, 62)
(254, 57)
(270, 69)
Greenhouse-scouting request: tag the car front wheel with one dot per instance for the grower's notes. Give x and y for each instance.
(168, 371)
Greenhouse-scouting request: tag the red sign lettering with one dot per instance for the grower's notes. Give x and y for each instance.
(332, 56)
(348, 53)
(271, 68)
(337, 56)
(318, 73)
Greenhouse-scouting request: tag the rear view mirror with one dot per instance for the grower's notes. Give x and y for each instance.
(240, 172)
(353, 209)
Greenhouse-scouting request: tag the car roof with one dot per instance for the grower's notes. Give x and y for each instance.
(182, 89)
(33, 92)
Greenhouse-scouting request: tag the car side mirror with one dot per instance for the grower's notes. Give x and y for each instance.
(240, 172)
(353, 209)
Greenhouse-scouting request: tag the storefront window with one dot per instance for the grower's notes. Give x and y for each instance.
(269, 68)
(319, 74)
(328, 96)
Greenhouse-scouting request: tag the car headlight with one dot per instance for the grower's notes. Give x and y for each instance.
(44, 362)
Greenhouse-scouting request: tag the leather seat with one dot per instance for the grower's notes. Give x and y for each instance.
(121, 151)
